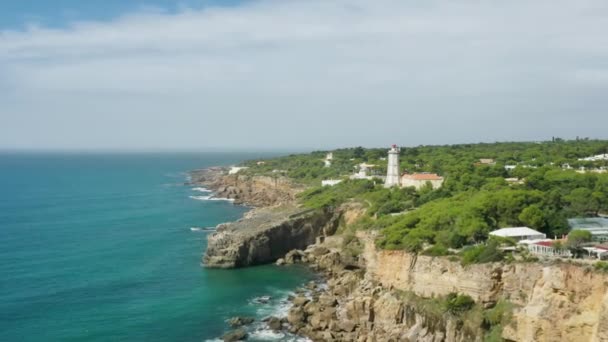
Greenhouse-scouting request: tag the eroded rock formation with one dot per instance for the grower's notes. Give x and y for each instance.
(266, 234)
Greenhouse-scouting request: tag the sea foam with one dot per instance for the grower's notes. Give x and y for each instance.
(211, 198)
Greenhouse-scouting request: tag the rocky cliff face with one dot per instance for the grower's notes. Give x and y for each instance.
(353, 307)
(554, 302)
(267, 234)
(370, 300)
(258, 191)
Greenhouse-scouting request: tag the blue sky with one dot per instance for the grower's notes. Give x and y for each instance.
(299, 74)
(17, 14)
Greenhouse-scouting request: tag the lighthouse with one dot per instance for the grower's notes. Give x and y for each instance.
(392, 170)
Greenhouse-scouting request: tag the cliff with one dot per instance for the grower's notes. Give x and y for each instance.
(266, 234)
(543, 294)
(389, 295)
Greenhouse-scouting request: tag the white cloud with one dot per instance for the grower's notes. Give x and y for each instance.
(441, 71)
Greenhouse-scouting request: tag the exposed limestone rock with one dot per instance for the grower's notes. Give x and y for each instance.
(256, 191)
(266, 235)
(300, 301)
(274, 323)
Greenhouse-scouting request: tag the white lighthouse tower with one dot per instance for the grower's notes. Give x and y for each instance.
(392, 171)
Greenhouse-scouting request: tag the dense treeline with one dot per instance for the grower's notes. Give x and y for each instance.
(452, 160)
(474, 199)
(544, 202)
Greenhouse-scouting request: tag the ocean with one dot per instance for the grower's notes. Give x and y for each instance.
(99, 247)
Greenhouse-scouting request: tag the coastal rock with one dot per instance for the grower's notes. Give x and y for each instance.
(274, 323)
(300, 301)
(328, 300)
(240, 321)
(254, 190)
(267, 235)
(319, 251)
(294, 256)
(235, 335)
(296, 316)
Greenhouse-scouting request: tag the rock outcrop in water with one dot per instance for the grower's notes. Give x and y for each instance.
(266, 234)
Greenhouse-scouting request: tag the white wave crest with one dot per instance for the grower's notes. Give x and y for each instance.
(199, 189)
(221, 199)
(267, 335)
(200, 198)
(211, 198)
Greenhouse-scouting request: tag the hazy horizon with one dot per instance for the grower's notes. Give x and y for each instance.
(270, 75)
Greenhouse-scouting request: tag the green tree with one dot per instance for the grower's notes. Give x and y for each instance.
(582, 201)
(533, 216)
(576, 239)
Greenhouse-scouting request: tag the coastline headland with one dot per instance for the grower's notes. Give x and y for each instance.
(371, 294)
(274, 227)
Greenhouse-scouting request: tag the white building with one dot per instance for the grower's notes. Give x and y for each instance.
(596, 157)
(328, 158)
(363, 173)
(418, 180)
(330, 182)
(519, 233)
(546, 248)
(392, 170)
(600, 252)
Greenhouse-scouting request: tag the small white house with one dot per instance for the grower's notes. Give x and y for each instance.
(363, 173)
(330, 182)
(519, 233)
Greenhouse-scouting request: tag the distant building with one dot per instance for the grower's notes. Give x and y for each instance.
(599, 251)
(418, 180)
(486, 161)
(392, 169)
(519, 233)
(328, 158)
(363, 173)
(512, 181)
(330, 182)
(598, 157)
(597, 226)
(547, 248)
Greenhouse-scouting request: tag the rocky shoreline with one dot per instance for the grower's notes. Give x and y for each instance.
(274, 227)
(381, 295)
(254, 191)
(338, 309)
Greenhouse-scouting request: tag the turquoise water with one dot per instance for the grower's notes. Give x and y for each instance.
(99, 248)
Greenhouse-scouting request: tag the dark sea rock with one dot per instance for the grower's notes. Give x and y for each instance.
(240, 321)
(235, 335)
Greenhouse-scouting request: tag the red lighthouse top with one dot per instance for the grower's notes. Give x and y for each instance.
(394, 145)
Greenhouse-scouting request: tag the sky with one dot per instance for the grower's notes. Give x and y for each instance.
(314, 74)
